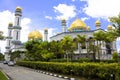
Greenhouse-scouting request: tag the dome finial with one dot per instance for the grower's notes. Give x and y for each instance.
(97, 22)
(18, 8)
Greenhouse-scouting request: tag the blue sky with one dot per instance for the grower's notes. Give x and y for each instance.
(41, 14)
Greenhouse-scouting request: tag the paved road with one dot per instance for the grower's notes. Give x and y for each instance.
(20, 73)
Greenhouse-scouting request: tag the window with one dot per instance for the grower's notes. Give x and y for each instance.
(17, 36)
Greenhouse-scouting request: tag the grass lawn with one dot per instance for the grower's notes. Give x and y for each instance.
(2, 76)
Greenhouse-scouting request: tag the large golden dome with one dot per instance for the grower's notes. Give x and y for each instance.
(35, 35)
(77, 24)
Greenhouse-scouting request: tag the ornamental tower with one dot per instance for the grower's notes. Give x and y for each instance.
(98, 24)
(46, 35)
(8, 38)
(63, 24)
(16, 28)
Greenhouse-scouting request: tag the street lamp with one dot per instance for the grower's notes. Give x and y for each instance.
(87, 48)
(119, 56)
(93, 44)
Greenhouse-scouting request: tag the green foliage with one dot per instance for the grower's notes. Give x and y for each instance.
(116, 23)
(115, 56)
(1, 57)
(59, 60)
(14, 55)
(2, 76)
(88, 70)
(1, 35)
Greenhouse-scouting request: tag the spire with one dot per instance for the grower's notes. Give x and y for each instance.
(45, 34)
(63, 24)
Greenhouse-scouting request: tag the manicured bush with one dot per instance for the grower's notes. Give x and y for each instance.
(88, 70)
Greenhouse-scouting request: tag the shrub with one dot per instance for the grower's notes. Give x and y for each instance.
(88, 70)
(115, 56)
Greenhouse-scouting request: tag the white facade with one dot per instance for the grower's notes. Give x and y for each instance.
(78, 27)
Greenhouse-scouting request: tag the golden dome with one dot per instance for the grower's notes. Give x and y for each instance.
(98, 22)
(18, 8)
(10, 24)
(35, 35)
(77, 24)
(109, 27)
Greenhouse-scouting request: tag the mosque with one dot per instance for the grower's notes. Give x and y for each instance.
(77, 27)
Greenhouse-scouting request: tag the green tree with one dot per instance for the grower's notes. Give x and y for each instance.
(81, 39)
(45, 51)
(15, 55)
(116, 23)
(56, 48)
(109, 37)
(115, 56)
(1, 56)
(1, 35)
(33, 50)
(99, 38)
(68, 46)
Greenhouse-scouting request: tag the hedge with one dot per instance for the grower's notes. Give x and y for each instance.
(102, 71)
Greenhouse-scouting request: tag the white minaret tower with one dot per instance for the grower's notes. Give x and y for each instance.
(16, 28)
(8, 38)
(63, 24)
(98, 24)
(46, 35)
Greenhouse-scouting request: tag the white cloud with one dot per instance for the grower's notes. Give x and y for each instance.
(84, 18)
(65, 11)
(48, 17)
(6, 17)
(25, 24)
(102, 8)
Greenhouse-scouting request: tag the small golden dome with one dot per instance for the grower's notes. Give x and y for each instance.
(18, 8)
(63, 20)
(98, 22)
(77, 24)
(35, 35)
(10, 24)
(109, 27)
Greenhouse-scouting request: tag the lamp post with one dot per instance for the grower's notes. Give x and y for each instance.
(119, 57)
(93, 44)
(87, 48)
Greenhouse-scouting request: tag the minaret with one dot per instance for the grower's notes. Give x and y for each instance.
(63, 24)
(16, 28)
(98, 24)
(8, 38)
(46, 35)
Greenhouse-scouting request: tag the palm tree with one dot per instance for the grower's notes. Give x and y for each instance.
(81, 39)
(99, 36)
(68, 46)
(109, 37)
(116, 24)
(56, 48)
